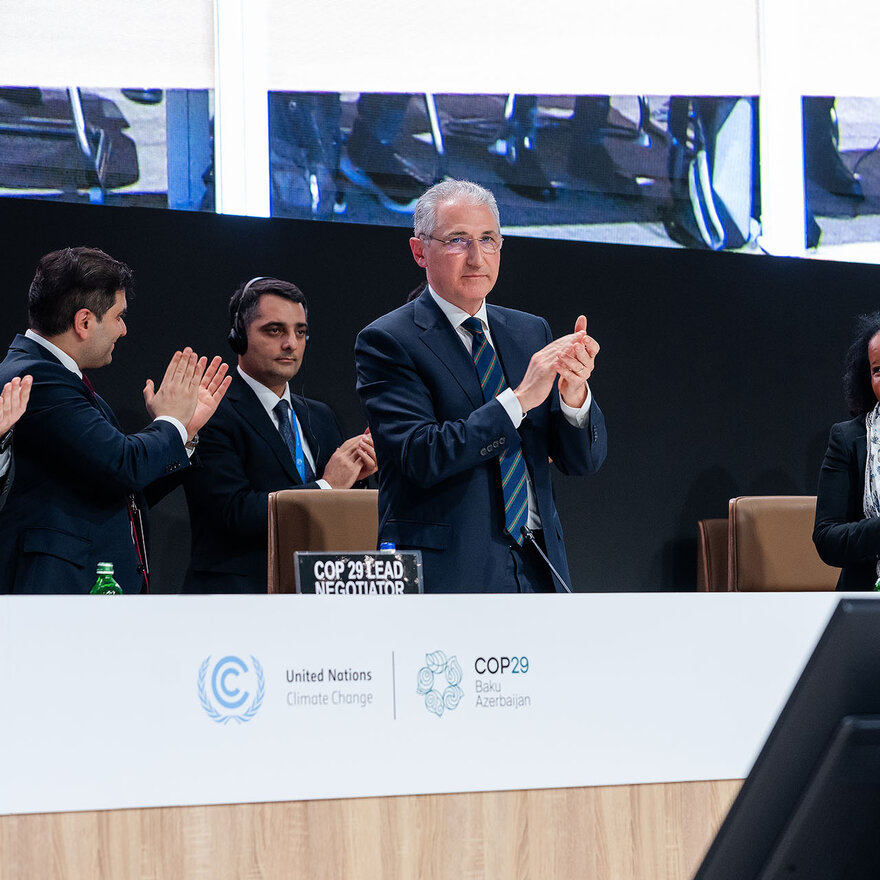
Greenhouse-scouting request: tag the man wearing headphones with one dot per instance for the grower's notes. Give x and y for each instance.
(262, 438)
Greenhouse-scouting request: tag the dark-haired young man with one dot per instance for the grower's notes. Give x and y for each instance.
(81, 484)
(263, 438)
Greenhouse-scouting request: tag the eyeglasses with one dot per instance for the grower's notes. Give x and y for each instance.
(489, 244)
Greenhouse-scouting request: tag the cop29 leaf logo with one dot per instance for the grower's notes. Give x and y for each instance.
(439, 681)
(224, 685)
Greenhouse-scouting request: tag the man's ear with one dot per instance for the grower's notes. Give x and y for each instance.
(82, 322)
(417, 246)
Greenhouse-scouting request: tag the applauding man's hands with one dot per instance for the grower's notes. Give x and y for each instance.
(571, 358)
(190, 390)
(13, 401)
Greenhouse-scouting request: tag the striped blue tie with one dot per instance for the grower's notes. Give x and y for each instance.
(290, 434)
(513, 468)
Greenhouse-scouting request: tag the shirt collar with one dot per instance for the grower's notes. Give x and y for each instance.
(267, 397)
(454, 314)
(63, 356)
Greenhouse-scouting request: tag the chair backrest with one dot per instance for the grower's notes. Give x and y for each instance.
(712, 555)
(770, 545)
(316, 519)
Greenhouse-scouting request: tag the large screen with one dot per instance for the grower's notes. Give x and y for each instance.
(749, 126)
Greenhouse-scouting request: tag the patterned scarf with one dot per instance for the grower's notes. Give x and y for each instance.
(872, 467)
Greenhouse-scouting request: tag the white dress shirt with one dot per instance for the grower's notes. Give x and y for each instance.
(269, 400)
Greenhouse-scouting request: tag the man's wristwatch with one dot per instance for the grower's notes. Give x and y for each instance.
(191, 444)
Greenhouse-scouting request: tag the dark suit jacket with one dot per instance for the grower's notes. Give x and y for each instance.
(842, 534)
(436, 442)
(242, 459)
(75, 468)
(6, 482)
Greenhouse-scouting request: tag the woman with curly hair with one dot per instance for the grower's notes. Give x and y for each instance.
(847, 530)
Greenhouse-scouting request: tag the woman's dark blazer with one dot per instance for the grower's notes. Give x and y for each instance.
(843, 535)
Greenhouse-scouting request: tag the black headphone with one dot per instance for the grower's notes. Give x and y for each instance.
(237, 338)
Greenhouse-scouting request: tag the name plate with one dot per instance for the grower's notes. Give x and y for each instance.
(382, 573)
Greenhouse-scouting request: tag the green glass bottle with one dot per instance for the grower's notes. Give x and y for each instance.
(877, 586)
(105, 585)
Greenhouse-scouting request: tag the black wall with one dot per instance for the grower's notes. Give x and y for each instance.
(719, 374)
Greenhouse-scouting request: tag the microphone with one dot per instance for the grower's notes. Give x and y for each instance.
(529, 535)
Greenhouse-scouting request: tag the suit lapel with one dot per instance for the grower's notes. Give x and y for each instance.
(514, 358)
(440, 337)
(301, 408)
(861, 444)
(251, 410)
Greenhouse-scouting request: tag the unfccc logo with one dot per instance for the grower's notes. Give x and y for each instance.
(228, 685)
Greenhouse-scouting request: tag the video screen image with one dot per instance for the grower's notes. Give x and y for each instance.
(129, 146)
(632, 169)
(842, 174)
(663, 170)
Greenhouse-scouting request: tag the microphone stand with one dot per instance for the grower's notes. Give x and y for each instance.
(529, 535)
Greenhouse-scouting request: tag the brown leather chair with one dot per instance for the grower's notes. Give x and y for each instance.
(322, 520)
(712, 555)
(770, 545)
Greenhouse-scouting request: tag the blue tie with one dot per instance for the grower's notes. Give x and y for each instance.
(513, 468)
(290, 434)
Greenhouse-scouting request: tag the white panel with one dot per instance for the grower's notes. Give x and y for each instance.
(99, 43)
(136, 701)
(553, 47)
(838, 47)
(781, 140)
(241, 126)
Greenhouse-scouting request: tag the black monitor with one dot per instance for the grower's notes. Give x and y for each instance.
(810, 807)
